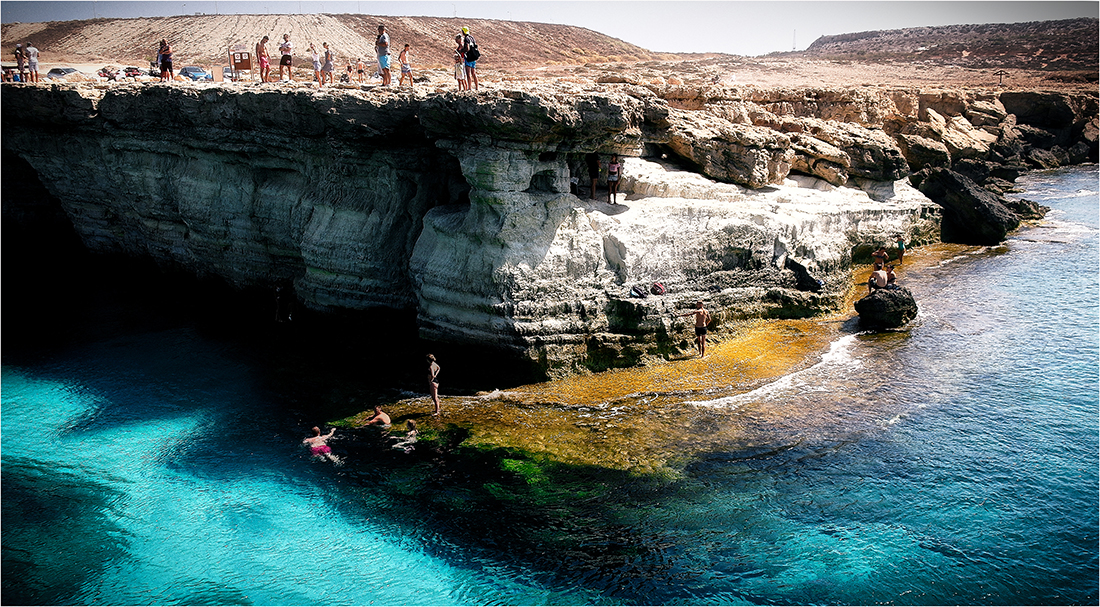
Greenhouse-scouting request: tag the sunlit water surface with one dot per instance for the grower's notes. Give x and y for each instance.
(953, 463)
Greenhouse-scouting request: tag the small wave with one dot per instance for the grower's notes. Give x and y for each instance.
(838, 356)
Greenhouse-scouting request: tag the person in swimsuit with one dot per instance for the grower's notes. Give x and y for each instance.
(265, 60)
(381, 418)
(471, 66)
(614, 171)
(406, 67)
(433, 382)
(592, 159)
(382, 50)
(406, 444)
(878, 280)
(880, 256)
(702, 319)
(891, 278)
(901, 248)
(326, 68)
(359, 69)
(286, 49)
(318, 446)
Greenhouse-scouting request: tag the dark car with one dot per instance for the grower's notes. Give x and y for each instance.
(195, 72)
(60, 72)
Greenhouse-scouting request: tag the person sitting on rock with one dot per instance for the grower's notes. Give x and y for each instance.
(880, 256)
(878, 280)
(891, 278)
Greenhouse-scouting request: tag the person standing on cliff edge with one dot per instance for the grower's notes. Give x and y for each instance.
(471, 54)
(382, 49)
(264, 59)
(702, 319)
(286, 49)
(433, 382)
(32, 61)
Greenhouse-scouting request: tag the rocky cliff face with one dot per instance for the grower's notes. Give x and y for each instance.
(460, 205)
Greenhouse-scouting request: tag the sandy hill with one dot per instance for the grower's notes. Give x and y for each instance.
(205, 39)
(1069, 44)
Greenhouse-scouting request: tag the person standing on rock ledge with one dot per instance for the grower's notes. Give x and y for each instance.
(382, 49)
(460, 65)
(286, 49)
(165, 58)
(901, 248)
(471, 54)
(702, 319)
(327, 67)
(265, 60)
(433, 382)
(406, 67)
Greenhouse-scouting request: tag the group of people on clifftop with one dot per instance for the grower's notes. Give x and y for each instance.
(465, 55)
(26, 63)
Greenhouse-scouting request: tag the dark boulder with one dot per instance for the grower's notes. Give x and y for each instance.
(1027, 209)
(887, 308)
(971, 214)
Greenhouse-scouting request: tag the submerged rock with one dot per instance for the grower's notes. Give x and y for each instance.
(887, 308)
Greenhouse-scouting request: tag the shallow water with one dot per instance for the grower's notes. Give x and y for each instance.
(151, 458)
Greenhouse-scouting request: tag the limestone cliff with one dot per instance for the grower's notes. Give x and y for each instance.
(459, 205)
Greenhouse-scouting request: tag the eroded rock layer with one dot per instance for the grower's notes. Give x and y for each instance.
(464, 207)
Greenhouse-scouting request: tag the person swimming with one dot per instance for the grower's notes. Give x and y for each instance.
(318, 445)
(406, 444)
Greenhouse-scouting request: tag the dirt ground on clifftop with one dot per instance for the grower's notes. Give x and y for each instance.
(772, 72)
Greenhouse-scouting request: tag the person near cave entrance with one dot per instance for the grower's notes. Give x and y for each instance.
(592, 159)
(614, 172)
(433, 382)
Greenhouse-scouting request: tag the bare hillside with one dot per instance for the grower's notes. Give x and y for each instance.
(205, 39)
(1069, 44)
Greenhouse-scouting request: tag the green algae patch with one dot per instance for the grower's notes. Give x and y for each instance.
(652, 420)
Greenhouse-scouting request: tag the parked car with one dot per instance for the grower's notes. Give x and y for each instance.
(195, 72)
(60, 72)
(228, 75)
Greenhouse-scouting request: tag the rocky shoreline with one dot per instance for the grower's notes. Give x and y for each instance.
(459, 206)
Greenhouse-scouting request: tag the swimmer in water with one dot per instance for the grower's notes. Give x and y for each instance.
(406, 444)
(318, 446)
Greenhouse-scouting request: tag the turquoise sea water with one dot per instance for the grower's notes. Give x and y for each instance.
(150, 458)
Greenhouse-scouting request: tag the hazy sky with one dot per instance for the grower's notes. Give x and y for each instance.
(743, 28)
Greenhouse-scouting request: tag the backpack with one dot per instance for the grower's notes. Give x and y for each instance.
(638, 291)
(472, 54)
(657, 289)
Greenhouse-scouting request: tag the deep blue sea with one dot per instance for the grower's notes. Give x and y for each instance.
(149, 457)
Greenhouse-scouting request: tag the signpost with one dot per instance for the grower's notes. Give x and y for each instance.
(241, 60)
